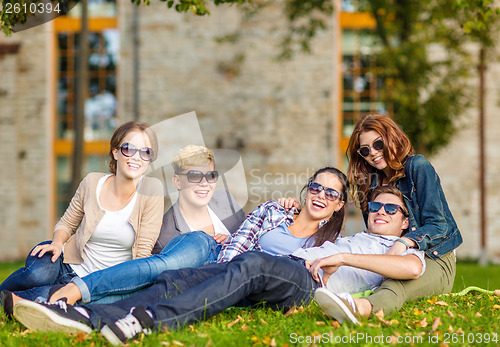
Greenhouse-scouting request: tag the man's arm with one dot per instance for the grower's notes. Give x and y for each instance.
(393, 266)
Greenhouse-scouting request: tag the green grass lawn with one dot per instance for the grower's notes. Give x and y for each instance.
(471, 319)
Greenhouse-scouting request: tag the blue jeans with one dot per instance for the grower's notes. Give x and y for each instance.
(38, 275)
(193, 249)
(185, 296)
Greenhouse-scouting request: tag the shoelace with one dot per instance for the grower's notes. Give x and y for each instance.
(62, 305)
(349, 300)
(129, 325)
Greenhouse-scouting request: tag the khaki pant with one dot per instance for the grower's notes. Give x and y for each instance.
(437, 279)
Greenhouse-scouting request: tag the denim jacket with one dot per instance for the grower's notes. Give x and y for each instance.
(432, 225)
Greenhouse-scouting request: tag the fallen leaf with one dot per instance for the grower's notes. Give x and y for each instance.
(372, 325)
(430, 308)
(203, 335)
(263, 322)
(443, 344)
(273, 343)
(165, 343)
(234, 321)
(416, 312)
(80, 337)
(394, 321)
(496, 306)
(267, 340)
(441, 303)
(478, 314)
(291, 311)
(254, 338)
(335, 324)
(394, 339)
(435, 325)
(497, 292)
(244, 327)
(423, 323)
(431, 301)
(380, 314)
(177, 343)
(320, 323)
(450, 329)
(450, 314)
(460, 331)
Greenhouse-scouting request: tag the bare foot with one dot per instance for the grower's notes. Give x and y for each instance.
(70, 291)
(364, 307)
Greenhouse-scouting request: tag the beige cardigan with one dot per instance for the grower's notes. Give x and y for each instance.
(84, 213)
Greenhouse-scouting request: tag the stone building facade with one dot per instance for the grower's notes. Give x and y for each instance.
(278, 115)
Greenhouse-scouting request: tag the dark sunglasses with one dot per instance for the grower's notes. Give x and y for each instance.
(330, 193)
(195, 176)
(391, 209)
(129, 150)
(364, 151)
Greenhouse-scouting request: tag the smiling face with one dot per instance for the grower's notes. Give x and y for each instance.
(376, 157)
(194, 194)
(317, 206)
(382, 223)
(132, 167)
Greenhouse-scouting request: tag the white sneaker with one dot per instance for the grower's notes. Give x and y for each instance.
(340, 307)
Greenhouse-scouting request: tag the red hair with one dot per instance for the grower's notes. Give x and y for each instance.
(397, 147)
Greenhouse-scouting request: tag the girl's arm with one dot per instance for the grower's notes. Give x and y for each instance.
(151, 217)
(393, 266)
(258, 222)
(59, 239)
(66, 225)
(432, 207)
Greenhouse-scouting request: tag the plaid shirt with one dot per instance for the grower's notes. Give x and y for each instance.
(264, 218)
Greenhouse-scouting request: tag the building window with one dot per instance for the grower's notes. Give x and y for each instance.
(362, 85)
(101, 104)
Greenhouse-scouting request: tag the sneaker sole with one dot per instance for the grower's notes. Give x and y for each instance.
(111, 336)
(334, 306)
(39, 318)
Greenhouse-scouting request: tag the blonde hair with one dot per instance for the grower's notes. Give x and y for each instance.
(192, 155)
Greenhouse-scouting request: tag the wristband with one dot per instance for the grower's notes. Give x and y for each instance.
(404, 243)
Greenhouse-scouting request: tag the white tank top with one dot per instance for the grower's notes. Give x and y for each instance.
(112, 240)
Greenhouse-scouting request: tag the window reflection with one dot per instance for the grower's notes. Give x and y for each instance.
(362, 88)
(100, 107)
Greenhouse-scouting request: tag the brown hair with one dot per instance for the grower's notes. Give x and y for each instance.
(330, 230)
(394, 191)
(389, 190)
(397, 147)
(120, 134)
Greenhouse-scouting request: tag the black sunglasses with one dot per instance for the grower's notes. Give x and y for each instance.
(330, 193)
(364, 151)
(195, 176)
(374, 206)
(129, 150)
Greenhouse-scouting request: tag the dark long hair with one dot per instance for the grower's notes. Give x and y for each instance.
(397, 147)
(331, 229)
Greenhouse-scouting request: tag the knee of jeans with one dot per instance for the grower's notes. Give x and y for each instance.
(255, 261)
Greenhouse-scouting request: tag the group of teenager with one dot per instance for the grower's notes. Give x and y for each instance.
(118, 265)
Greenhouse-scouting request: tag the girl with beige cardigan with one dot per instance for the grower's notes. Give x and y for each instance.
(111, 218)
